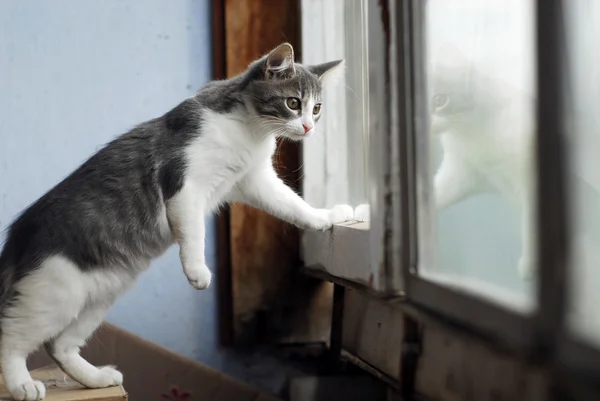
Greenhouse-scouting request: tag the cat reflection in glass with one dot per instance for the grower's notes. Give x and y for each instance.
(485, 128)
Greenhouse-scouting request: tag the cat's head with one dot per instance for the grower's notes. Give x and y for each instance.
(285, 96)
(453, 94)
(469, 98)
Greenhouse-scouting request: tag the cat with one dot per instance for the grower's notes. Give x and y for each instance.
(68, 256)
(486, 131)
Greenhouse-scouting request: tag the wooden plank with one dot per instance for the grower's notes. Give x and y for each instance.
(373, 332)
(224, 289)
(337, 327)
(455, 367)
(348, 358)
(271, 301)
(341, 251)
(452, 365)
(60, 387)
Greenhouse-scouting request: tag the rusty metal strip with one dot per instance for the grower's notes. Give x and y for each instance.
(337, 325)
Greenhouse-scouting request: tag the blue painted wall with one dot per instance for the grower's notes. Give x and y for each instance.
(74, 74)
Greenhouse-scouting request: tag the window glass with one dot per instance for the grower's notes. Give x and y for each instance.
(582, 23)
(476, 165)
(357, 99)
(335, 160)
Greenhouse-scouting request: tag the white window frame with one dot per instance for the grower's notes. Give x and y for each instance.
(364, 252)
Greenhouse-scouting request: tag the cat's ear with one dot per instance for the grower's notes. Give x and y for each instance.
(330, 71)
(280, 62)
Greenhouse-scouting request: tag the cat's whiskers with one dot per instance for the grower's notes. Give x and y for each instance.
(460, 116)
(352, 90)
(263, 128)
(268, 130)
(271, 126)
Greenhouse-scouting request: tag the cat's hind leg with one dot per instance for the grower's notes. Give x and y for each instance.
(19, 382)
(65, 348)
(47, 300)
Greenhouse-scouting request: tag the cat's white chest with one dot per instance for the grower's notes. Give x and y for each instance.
(224, 153)
(502, 161)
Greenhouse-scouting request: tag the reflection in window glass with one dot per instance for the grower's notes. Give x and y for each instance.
(480, 98)
(357, 99)
(335, 161)
(583, 140)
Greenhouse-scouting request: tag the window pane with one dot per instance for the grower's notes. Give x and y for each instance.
(335, 160)
(357, 99)
(583, 140)
(476, 187)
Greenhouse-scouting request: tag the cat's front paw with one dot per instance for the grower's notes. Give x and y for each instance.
(106, 376)
(199, 276)
(362, 212)
(340, 214)
(32, 390)
(324, 219)
(526, 268)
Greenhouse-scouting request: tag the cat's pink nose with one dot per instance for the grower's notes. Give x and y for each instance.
(306, 128)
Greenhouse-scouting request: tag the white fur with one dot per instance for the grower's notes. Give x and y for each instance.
(59, 301)
(230, 161)
(463, 174)
(363, 213)
(335, 75)
(491, 151)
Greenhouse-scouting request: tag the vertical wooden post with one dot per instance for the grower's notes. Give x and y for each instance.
(224, 289)
(337, 325)
(263, 297)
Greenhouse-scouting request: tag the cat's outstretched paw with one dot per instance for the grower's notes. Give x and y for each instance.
(110, 376)
(526, 268)
(199, 277)
(324, 219)
(340, 214)
(32, 390)
(362, 212)
(106, 376)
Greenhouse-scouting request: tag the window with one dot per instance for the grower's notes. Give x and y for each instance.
(476, 157)
(582, 19)
(350, 158)
(481, 144)
(481, 148)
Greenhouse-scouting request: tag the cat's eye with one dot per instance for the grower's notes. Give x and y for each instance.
(440, 100)
(293, 103)
(317, 109)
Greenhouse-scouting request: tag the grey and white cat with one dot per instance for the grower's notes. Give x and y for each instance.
(71, 253)
(486, 131)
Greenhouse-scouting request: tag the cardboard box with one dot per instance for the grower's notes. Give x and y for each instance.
(60, 387)
(152, 373)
